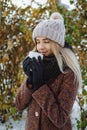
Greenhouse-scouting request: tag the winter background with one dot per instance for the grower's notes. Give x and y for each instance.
(75, 115)
(20, 125)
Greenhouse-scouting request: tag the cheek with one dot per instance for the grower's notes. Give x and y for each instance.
(48, 47)
(50, 50)
(37, 46)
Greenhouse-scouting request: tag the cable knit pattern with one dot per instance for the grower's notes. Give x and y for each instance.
(50, 106)
(52, 28)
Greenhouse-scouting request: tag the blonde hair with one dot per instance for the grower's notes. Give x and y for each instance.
(66, 55)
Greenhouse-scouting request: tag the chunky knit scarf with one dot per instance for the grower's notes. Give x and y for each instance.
(50, 68)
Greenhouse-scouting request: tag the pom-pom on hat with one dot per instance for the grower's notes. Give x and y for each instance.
(52, 29)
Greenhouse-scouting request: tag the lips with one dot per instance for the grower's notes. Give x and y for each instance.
(43, 53)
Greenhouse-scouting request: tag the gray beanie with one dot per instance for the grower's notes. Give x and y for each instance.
(52, 29)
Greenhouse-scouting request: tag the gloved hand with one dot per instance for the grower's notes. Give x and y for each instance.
(27, 67)
(37, 70)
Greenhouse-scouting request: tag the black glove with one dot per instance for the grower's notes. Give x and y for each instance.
(37, 70)
(27, 67)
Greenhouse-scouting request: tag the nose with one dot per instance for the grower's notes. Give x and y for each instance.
(41, 46)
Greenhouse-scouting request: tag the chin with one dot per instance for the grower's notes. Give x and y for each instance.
(45, 54)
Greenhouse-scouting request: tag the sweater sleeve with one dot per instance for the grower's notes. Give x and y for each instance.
(57, 109)
(24, 96)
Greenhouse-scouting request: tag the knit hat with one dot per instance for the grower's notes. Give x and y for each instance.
(52, 29)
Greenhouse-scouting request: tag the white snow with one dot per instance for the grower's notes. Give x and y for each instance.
(14, 125)
(20, 125)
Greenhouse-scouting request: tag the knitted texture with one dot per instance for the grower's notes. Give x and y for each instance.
(52, 29)
(50, 67)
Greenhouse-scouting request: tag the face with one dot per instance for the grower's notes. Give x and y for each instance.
(43, 45)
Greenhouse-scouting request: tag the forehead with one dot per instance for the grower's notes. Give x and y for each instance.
(42, 38)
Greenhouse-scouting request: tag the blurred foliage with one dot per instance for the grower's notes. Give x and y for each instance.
(16, 26)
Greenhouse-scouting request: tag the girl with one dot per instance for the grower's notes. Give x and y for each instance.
(51, 85)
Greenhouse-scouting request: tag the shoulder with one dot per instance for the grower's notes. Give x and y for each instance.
(68, 76)
(68, 73)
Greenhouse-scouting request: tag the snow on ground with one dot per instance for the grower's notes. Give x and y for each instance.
(13, 125)
(75, 115)
(20, 125)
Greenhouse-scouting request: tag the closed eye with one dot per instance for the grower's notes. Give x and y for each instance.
(46, 41)
(43, 42)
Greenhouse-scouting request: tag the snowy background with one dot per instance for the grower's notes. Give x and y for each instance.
(20, 125)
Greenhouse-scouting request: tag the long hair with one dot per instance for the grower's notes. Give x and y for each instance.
(67, 56)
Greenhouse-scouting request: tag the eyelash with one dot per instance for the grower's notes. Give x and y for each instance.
(44, 42)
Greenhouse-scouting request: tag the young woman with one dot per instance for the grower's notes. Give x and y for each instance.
(51, 85)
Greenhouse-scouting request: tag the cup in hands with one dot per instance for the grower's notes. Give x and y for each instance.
(35, 54)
